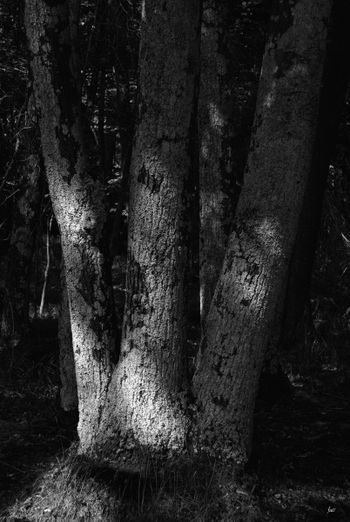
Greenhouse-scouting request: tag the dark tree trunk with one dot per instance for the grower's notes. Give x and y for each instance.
(292, 314)
(260, 247)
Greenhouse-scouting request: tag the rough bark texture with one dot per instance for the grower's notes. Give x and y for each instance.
(150, 379)
(78, 201)
(260, 246)
(68, 392)
(216, 126)
(17, 263)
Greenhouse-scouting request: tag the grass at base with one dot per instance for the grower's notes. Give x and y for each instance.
(184, 490)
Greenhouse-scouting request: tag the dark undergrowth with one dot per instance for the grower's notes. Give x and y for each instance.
(299, 470)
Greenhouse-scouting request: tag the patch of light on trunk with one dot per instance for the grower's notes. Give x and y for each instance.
(144, 406)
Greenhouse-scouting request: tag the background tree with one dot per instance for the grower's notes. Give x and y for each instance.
(216, 128)
(227, 94)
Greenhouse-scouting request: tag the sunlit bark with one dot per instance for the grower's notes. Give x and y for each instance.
(260, 246)
(150, 381)
(68, 392)
(78, 199)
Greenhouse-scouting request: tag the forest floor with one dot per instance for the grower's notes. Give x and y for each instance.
(299, 470)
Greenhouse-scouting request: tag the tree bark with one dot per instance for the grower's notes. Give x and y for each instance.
(68, 392)
(79, 203)
(292, 315)
(265, 227)
(150, 381)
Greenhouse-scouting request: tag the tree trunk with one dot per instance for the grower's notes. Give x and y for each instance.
(16, 277)
(292, 316)
(150, 381)
(78, 199)
(218, 190)
(265, 227)
(69, 397)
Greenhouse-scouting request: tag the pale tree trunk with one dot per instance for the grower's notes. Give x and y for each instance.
(260, 246)
(15, 279)
(150, 381)
(78, 200)
(215, 126)
(68, 392)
